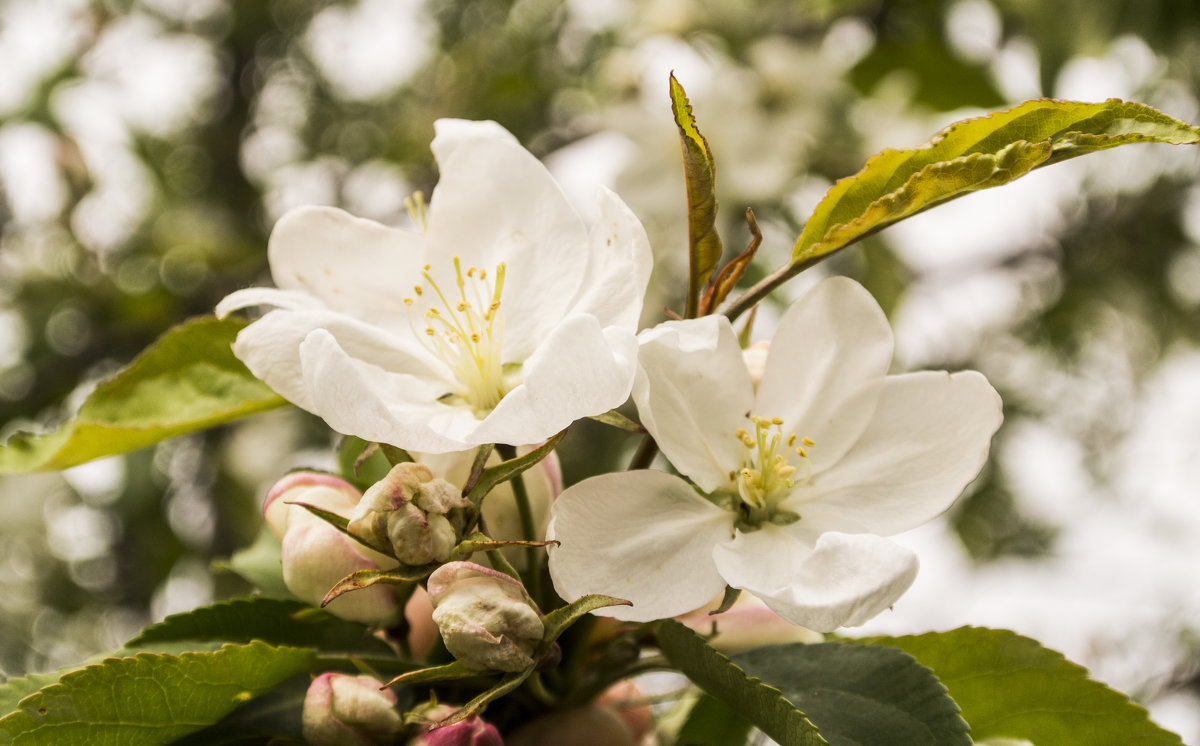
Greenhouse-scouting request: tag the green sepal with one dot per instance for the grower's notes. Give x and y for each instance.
(366, 578)
(491, 477)
(557, 621)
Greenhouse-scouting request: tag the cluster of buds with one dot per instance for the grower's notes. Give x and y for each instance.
(418, 516)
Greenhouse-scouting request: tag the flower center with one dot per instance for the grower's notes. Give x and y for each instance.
(465, 330)
(767, 473)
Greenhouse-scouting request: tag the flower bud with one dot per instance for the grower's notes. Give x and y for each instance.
(470, 732)
(626, 700)
(543, 483)
(421, 517)
(313, 488)
(351, 710)
(316, 556)
(487, 619)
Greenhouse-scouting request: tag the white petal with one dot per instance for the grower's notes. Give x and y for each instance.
(357, 398)
(619, 264)
(578, 371)
(692, 393)
(316, 556)
(270, 348)
(928, 439)
(643, 536)
(841, 582)
(449, 134)
(833, 345)
(291, 300)
(351, 264)
(495, 203)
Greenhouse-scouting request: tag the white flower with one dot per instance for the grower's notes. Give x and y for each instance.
(794, 483)
(503, 321)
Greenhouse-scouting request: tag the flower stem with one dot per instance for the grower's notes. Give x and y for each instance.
(763, 287)
(644, 456)
(533, 576)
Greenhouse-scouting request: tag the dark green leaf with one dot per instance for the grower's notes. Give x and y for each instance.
(976, 154)
(149, 698)
(1010, 686)
(271, 620)
(757, 702)
(699, 172)
(859, 695)
(187, 380)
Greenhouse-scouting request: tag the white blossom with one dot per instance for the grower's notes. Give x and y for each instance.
(794, 482)
(502, 321)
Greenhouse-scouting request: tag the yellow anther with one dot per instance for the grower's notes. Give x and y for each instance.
(429, 331)
(462, 306)
(408, 301)
(776, 420)
(428, 267)
(470, 271)
(801, 453)
(792, 440)
(808, 442)
(418, 290)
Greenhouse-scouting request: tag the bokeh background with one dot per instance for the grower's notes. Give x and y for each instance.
(147, 147)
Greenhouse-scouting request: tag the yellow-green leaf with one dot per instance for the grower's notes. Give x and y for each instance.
(699, 171)
(976, 154)
(187, 380)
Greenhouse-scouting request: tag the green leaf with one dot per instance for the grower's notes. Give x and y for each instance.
(260, 564)
(506, 470)
(711, 722)
(18, 688)
(856, 695)
(757, 702)
(976, 154)
(699, 173)
(150, 699)
(1009, 686)
(187, 380)
(271, 620)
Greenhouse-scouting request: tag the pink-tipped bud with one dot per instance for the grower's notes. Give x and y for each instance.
(316, 556)
(487, 619)
(470, 732)
(340, 709)
(311, 487)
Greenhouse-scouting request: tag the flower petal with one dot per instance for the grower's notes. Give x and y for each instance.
(351, 264)
(841, 582)
(692, 393)
(927, 440)
(619, 263)
(291, 300)
(270, 348)
(831, 348)
(357, 398)
(644, 536)
(578, 371)
(494, 202)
